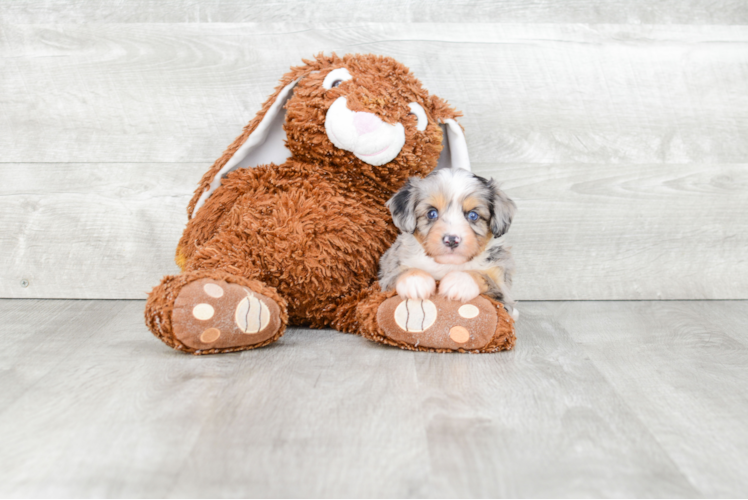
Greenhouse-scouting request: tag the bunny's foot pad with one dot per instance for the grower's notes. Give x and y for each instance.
(212, 314)
(441, 324)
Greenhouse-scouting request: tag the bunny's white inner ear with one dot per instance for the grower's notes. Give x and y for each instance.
(266, 144)
(454, 152)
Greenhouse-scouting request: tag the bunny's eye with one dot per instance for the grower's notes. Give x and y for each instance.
(335, 78)
(416, 109)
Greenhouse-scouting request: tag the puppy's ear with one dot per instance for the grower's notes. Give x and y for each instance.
(502, 209)
(454, 146)
(261, 142)
(403, 207)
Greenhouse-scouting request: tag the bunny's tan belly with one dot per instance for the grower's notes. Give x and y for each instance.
(314, 243)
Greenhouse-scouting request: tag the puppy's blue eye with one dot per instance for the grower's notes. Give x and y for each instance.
(433, 214)
(472, 215)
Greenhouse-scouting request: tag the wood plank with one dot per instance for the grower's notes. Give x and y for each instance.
(654, 231)
(680, 367)
(621, 232)
(88, 407)
(323, 415)
(124, 415)
(228, 11)
(46, 331)
(531, 93)
(91, 231)
(538, 422)
(118, 414)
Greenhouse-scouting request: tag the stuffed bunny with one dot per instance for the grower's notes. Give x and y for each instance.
(289, 224)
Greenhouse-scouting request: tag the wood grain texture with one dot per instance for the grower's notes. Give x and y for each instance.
(654, 231)
(539, 423)
(453, 11)
(91, 231)
(615, 232)
(681, 367)
(616, 399)
(531, 93)
(65, 327)
(623, 144)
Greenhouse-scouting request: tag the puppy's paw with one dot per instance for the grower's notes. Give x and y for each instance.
(415, 284)
(459, 286)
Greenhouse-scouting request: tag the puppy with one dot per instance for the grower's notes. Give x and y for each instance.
(452, 225)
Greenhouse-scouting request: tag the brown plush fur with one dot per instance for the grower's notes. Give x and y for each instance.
(309, 233)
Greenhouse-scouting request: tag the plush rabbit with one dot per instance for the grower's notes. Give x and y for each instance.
(289, 224)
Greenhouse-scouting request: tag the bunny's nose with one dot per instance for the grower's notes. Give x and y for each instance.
(366, 122)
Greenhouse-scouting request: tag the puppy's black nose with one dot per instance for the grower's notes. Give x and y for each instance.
(451, 241)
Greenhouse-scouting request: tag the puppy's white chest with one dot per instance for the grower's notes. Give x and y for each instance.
(420, 260)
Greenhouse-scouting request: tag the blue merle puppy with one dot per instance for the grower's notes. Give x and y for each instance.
(453, 224)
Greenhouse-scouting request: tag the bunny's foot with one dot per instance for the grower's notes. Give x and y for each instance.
(212, 315)
(436, 324)
(442, 324)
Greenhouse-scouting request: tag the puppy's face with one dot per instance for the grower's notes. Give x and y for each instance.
(452, 213)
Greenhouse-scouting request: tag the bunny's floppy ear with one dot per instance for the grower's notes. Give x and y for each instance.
(263, 141)
(454, 146)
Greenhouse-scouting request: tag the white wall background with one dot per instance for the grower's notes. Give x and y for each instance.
(620, 129)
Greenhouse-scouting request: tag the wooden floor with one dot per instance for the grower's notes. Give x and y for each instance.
(610, 399)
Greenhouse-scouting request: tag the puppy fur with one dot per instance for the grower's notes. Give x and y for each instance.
(453, 224)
